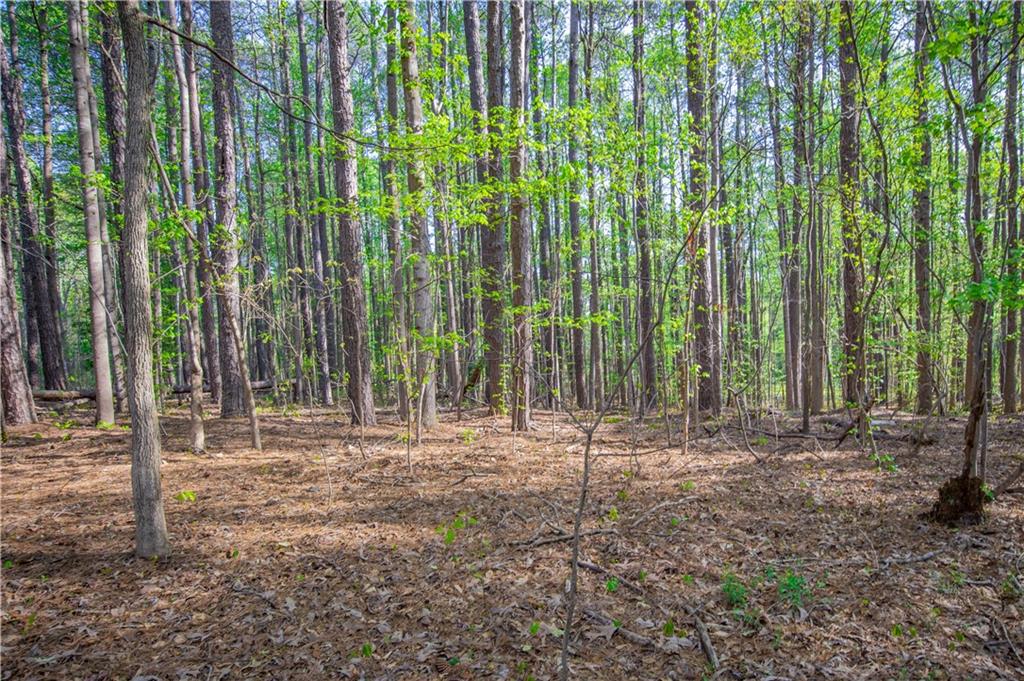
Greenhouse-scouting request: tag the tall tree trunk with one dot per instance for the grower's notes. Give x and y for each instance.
(394, 220)
(301, 317)
(709, 390)
(15, 392)
(317, 230)
(849, 189)
(197, 431)
(90, 199)
(492, 235)
(519, 225)
(596, 395)
(923, 216)
(150, 526)
(423, 302)
(645, 288)
(207, 287)
(579, 366)
(39, 311)
(802, 178)
(353, 299)
(49, 205)
(225, 234)
(1010, 202)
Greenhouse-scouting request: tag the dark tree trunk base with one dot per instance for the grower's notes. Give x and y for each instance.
(961, 502)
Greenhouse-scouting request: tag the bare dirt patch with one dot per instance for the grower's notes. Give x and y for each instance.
(309, 561)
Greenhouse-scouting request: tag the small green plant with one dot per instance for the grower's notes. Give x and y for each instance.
(617, 624)
(67, 424)
(622, 495)
(185, 495)
(952, 580)
(366, 650)
(793, 589)
(105, 425)
(1009, 589)
(688, 580)
(734, 590)
(989, 493)
(613, 514)
(467, 435)
(642, 576)
(451, 530)
(8, 564)
(759, 441)
(688, 486)
(669, 628)
(674, 522)
(611, 585)
(534, 628)
(896, 631)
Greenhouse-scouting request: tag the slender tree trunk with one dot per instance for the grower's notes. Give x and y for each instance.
(39, 311)
(519, 225)
(596, 395)
(801, 208)
(319, 303)
(579, 366)
(645, 285)
(15, 392)
(197, 431)
(394, 221)
(854, 359)
(150, 526)
(49, 212)
(353, 299)
(492, 235)
(90, 198)
(709, 390)
(1010, 202)
(206, 273)
(225, 234)
(423, 303)
(923, 217)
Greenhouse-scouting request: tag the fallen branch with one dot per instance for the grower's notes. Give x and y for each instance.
(705, 642)
(1006, 484)
(631, 636)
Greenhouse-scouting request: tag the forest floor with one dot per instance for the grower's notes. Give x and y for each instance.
(318, 558)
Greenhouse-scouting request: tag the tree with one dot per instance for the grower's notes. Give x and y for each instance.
(150, 526)
(233, 367)
(353, 299)
(854, 358)
(94, 243)
(575, 245)
(1010, 203)
(706, 337)
(923, 216)
(16, 405)
(423, 302)
(44, 328)
(522, 267)
(645, 303)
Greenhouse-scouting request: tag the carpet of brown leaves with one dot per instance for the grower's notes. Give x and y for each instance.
(310, 561)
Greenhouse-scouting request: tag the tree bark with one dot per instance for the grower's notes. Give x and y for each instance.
(207, 287)
(353, 299)
(1010, 202)
(579, 366)
(90, 198)
(849, 188)
(709, 387)
(923, 217)
(519, 225)
(15, 391)
(423, 302)
(150, 527)
(225, 233)
(645, 302)
(197, 431)
(317, 227)
(39, 311)
(492, 235)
